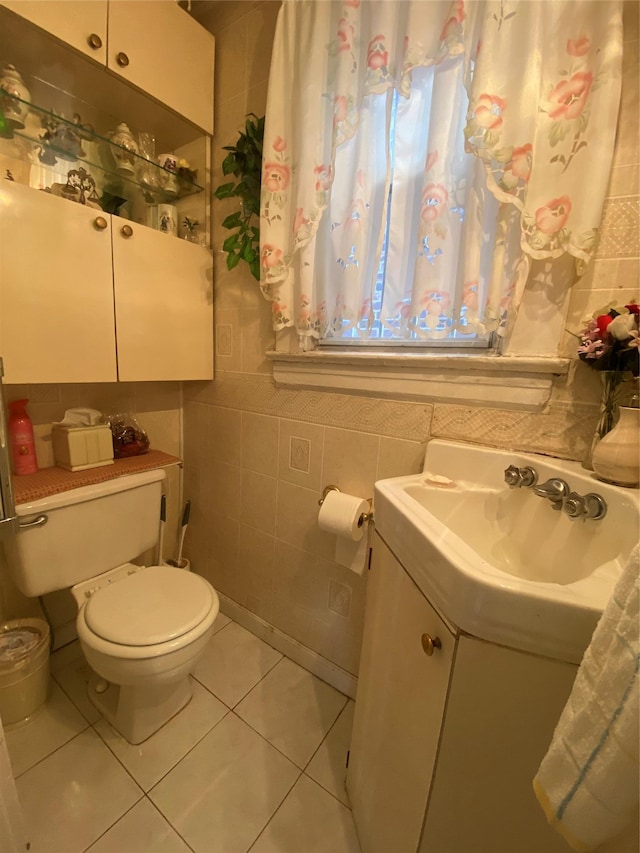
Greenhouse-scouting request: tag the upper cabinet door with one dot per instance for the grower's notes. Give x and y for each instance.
(56, 289)
(164, 305)
(82, 25)
(158, 47)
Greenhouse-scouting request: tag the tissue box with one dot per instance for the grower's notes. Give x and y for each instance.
(77, 448)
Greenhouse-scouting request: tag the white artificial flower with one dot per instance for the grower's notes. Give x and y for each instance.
(621, 326)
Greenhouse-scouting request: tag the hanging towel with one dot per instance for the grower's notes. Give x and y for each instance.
(587, 783)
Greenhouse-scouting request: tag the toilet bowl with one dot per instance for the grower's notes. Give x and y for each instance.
(141, 628)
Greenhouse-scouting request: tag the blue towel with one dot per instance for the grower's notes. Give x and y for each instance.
(588, 782)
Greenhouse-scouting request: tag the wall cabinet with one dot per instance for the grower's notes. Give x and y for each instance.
(86, 296)
(445, 747)
(163, 290)
(78, 285)
(56, 290)
(152, 44)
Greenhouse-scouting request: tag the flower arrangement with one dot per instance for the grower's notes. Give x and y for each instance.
(609, 340)
(190, 226)
(609, 343)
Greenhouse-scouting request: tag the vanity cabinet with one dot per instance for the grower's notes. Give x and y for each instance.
(445, 747)
(152, 44)
(78, 286)
(399, 708)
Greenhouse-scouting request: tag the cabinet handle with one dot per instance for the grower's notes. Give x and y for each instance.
(100, 223)
(429, 644)
(122, 59)
(126, 231)
(94, 41)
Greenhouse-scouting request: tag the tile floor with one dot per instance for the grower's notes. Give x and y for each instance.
(255, 762)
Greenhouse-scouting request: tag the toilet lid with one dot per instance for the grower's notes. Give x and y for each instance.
(154, 605)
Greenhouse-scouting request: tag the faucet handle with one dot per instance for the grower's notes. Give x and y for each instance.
(517, 477)
(574, 506)
(585, 506)
(555, 490)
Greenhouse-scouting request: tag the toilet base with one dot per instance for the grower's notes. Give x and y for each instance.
(137, 712)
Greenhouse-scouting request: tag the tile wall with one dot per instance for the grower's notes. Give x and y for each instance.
(257, 457)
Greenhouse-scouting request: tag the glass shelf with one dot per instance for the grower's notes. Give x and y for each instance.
(60, 149)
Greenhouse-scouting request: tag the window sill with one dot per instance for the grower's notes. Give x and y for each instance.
(508, 382)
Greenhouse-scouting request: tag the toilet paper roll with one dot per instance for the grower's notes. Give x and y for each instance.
(340, 514)
(352, 555)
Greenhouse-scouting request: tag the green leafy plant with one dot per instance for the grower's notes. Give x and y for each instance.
(244, 162)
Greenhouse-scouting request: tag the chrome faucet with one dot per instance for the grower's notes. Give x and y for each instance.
(585, 506)
(518, 477)
(554, 490)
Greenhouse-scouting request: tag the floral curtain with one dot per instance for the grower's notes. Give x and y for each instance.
(472, 135)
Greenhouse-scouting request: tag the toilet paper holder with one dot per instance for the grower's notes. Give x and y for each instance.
(366, 516)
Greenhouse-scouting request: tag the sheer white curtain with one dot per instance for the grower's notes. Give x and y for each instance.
(452, 141)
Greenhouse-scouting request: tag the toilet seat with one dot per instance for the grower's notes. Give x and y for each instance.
(152, 606)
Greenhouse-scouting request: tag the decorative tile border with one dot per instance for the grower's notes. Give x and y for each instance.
(565, 430)
(393, 418)
(620, 230)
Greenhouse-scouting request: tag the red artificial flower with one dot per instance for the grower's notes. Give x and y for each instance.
(602, 322)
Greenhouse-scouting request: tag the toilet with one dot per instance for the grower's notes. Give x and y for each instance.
(141, 628)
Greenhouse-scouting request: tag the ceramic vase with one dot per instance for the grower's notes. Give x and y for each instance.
(13, 93)
(124, 149)
(616, 458)
(612, 382)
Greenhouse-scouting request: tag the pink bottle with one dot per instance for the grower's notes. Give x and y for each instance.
(23, 447)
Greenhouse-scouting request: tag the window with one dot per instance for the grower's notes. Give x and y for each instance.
(394, 211)
(410, 224)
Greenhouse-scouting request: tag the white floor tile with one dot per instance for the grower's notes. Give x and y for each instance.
(328, 765)
(149, 761)
(141, 830)
(225, 790)
(221, 622)
(66, 655)
(72, 673)
(292, 709)
(50, 727)
(73, 796)
(233, 662)
(309, 820)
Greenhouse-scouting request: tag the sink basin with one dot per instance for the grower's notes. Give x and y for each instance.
(501, 563)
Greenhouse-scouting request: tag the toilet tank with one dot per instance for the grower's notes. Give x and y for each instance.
(88, 531)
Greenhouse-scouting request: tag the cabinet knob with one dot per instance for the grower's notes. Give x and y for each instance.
(122, 59)
(126, 231)
(429, 644)
(100, 223)
(94, 41)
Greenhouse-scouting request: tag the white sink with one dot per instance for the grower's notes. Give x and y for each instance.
(501, 563)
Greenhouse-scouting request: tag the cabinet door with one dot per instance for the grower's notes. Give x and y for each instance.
(399, 708)
(502, 709)
(168, 54)
(73, 23)
(56, 289)
(164, 306)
